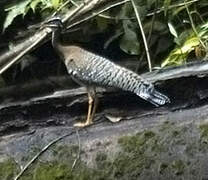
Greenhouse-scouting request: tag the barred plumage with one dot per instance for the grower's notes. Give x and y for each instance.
(90, 69)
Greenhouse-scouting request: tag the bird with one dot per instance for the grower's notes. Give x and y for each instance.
(92, 70)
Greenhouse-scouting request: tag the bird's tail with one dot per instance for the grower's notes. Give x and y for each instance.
(147, 91)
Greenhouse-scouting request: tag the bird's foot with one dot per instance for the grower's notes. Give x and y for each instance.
(82, 124)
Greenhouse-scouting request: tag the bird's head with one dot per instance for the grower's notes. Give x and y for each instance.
(54, 23)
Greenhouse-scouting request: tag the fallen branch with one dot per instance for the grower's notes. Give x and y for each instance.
(198, 68)
(53, 85)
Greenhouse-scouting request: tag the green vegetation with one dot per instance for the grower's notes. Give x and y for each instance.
(176, 30)
(166, 151)
(8, 169)
(204, 132)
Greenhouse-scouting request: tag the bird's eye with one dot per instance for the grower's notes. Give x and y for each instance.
(71, 60)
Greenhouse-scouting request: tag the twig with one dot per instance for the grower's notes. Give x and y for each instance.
(148, 38)
(159, 10)
(143, 35)
(60, 8)
(99, 12)
(193, 26)
(78, 153)
(111, 39)
(105, 16)
(74, 12)
(115, 18)
(74, 3)
(172, 6)
(20, 55)
(40, 153)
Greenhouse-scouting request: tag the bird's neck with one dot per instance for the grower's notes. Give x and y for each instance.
(56, 40)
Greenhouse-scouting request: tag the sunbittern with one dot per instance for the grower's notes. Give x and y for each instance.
(91, 70)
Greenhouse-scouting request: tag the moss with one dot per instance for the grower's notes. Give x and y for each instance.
(66, 152)
(52, 171)
(61, 167)
(55, 170)
(166, 126)
(135, 157)
(103, 163)
(8, 169)
(138, 142)
(178, 167)
(162, 168)
(151, 153)
(203, 145)
(101, 157)
(204, 132)
(33, 151)
(128, 163)
(130, 166)
(142, 153)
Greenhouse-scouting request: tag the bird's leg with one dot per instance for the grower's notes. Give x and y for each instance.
(90, 106)
(94, 105)
(92, 101)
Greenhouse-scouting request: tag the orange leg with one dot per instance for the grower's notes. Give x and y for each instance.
(92, 101)
(94, 107)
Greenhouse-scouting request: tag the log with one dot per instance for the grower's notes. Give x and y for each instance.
(130, 138)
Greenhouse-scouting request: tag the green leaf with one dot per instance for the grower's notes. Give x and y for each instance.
(126, 11)
(46, 4)
(182, 38)
(189, 45)
(172, 30)
(149, 3)
(55, 3)
(102, 23)
(19, 8)
(158, 26)
(180, 54)
(129, 42)
(142, 12)
(166, 5)
(33, 4)
(178, 10)
(174, 59)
